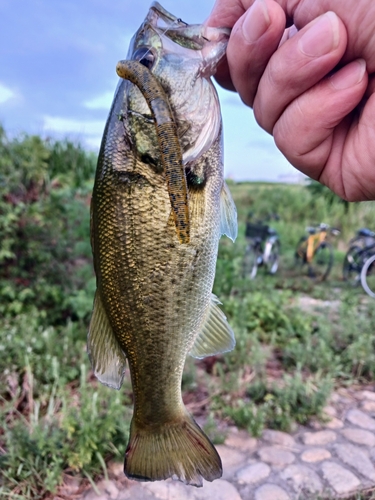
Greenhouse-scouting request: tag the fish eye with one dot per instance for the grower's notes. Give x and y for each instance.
(145, 56)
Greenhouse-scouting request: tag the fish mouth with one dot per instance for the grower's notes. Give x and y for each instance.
(216, 35)
(193, 36)
(157, 13)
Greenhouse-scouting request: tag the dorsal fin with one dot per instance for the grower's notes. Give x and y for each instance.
(216, 335)
(106, 356)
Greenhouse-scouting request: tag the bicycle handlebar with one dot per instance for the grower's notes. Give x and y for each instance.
(322, 227)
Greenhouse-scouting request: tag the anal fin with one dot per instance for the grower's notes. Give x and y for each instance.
(216, 336)
(106, 356)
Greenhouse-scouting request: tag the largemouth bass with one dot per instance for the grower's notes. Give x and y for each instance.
(155, 256)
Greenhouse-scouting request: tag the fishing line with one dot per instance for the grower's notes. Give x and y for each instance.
(141, 76)
(167, 136)
(173, 25)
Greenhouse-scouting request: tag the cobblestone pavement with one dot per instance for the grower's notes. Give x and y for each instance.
(325, 460)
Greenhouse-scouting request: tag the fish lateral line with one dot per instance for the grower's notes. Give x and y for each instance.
(169, 145)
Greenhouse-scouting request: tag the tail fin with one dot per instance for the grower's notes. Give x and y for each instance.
(180, 450)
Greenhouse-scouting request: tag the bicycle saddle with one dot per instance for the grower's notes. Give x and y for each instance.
(366, 232)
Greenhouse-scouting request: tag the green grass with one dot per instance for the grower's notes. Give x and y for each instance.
(55, 417)
(295, 357)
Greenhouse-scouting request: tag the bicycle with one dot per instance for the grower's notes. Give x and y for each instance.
(368, 276)
(263, 249)
(316, 251)
(361, 248)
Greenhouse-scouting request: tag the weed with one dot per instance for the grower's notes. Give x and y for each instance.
(278, 405)
(213, 431)
(47, 432)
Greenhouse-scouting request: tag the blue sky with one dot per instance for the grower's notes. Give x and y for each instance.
(57, 76)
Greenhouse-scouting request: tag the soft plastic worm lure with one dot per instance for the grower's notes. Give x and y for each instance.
(170, 148)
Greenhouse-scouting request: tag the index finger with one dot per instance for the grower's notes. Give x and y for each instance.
(255, 36)
(225, 13)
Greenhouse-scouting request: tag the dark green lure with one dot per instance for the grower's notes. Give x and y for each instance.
(166, 131)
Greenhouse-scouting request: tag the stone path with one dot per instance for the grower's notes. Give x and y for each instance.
(330, 460)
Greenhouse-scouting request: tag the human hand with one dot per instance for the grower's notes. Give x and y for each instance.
(311, 86)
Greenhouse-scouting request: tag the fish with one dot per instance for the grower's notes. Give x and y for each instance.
(159, 207)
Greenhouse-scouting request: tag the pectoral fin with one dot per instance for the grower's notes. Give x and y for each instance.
(216, 335)
(106, 356)
(228, 214)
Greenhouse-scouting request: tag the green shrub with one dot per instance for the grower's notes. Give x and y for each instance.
(44, 227)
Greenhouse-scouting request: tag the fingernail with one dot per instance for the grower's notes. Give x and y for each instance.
(322, 37)
(349, 76)
(256, 22)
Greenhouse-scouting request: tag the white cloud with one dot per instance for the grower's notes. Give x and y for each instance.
(87, 132)
(102, 101)
(93, 142)
(5, 93)
(71, 126)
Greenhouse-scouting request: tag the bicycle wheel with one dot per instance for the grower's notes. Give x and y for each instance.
(322, 262)
(250, 262)
(368, 276)
(353, 262)
(273, 257)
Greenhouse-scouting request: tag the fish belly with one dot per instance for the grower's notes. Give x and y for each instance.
(155, 290)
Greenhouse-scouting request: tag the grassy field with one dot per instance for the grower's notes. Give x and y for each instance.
(296, 339)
